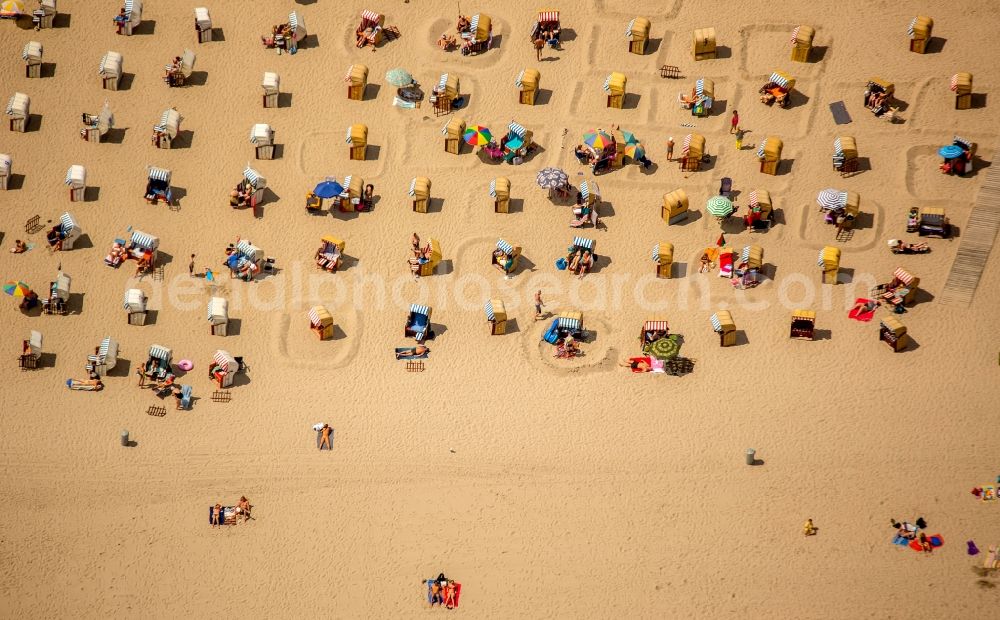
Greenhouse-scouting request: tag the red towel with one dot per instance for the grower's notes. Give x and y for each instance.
(858, 315)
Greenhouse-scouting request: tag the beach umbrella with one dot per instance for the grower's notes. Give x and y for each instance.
(635, 151)
(17, 288)
(477, 135)
(719, 206)
(12, 8)
(951, 151)
(666, 348)
(597, 139)
(831, 199)
(328, 189)
(550, 178)
(630, 137)
(398, 77)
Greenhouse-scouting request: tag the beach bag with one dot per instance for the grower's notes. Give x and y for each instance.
(561, 264)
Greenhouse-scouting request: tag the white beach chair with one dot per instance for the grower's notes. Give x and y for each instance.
(19, 111)
(32, 55)
(5, 163)
(96, 126)
(218, 316)
(166, 130)
(183, 74)
(202, 24)
(133, 15)
(76, 180)
(44, 15)
(110, 70)
(262, 136)
(105, 359)
(271, 85)
(135, 307)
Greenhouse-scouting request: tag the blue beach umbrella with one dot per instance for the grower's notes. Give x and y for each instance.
(951, 151)
(328, 189)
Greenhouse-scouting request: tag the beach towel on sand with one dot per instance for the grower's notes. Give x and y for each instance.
(935, 540)
(458, 591)
(858, 315)
(839, 111)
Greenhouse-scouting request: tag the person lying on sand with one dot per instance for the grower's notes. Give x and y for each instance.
(416, 351)
(864, 306)
(216, 514)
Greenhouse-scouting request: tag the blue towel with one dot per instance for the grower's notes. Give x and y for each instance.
(899, 540)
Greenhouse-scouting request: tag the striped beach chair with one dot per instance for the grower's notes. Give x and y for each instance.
(418, 323)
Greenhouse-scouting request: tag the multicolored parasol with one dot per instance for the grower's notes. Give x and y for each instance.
(17, 289)
(635, 150)
(477, 135)
(597, 139)
(12, 8)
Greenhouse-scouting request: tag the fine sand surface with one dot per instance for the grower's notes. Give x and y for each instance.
(547, 489)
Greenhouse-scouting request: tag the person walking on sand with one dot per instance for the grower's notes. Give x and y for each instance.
(734, 123)
(739, 139)
(809, 529)
(670, 148)
(191, 267)
(539, 46)
(538, 304)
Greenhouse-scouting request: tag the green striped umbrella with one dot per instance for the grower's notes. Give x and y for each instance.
(719, 206)
(666, 348)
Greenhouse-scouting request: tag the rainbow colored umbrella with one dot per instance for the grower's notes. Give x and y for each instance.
(477, 135)
(17, 289)
(635, 151)
(597, 139)
(12, 8)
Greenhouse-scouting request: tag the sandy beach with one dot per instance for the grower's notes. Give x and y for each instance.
(548, 488)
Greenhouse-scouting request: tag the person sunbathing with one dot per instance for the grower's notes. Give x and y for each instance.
(864, 307)
(324, 439)
(898, 246)
(362, 36)
(416, 351)
(19, 247)
(243, 508)
(216, 514)
(414, 264)
(637, 364)
(143, 265)
(436, 596)
(586, 262)
(415, 244)
(55, 238)
(463, 24)
(449, 595)
(574, 261)
(446, 42)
